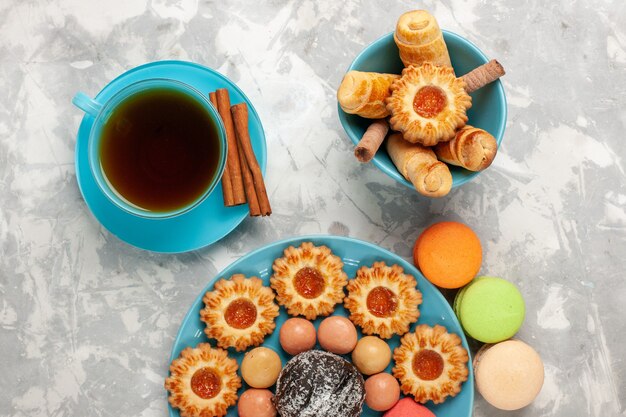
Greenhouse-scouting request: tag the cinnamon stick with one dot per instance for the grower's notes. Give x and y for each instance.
(227, 187)
(234, 165)
(371, 140)
(483, 75)
(248, 183)
(240, 116)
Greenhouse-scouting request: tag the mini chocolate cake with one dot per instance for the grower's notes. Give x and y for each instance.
(319, 384)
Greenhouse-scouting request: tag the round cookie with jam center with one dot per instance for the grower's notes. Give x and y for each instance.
(308, 280)
(383, 300)
(203, 381)
(239, 312)
(431, 364)
(317, 383)
(428, 104)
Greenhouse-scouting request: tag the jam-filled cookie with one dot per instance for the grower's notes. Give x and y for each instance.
(383, 300)
(203, 381)
(431, 364)
(308, 280)
(428, 104)
(239, 312)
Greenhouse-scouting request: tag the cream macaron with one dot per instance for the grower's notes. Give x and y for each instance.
(509, 374)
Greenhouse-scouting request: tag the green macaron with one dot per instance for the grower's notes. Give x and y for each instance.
(490, 309)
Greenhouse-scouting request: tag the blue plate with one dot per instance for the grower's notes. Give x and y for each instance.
(354, 253)
(206, 223)
(488, 109)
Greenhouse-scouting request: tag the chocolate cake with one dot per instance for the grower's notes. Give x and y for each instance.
(319, 384)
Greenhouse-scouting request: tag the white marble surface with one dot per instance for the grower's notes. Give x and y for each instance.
(87, 322)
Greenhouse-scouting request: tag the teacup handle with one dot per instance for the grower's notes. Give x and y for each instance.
(86, 104)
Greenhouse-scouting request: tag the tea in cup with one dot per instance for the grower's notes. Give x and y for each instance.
(157, 148)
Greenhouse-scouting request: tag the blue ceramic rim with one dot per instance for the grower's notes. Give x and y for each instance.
(87, 122)
(391, 171)
(294, 240)
(95, 141)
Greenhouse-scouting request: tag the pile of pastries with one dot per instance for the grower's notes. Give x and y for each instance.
(309, 281)
(425, 107)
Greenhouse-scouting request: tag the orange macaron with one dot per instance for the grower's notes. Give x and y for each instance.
(448, 254)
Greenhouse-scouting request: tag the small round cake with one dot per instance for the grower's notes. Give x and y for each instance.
(449, 254)
(490, 309)
(509, 375)
(317, 383)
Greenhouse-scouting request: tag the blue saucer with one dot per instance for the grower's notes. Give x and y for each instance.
(354, 254)
(205, 224)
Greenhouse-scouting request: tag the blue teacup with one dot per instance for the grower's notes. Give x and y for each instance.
(102, 113)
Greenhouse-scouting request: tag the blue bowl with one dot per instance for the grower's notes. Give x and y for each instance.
(488, 109)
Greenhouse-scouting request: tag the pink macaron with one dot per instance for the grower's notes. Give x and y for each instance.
(407, 407)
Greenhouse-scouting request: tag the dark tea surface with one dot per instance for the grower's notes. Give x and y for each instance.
(160, 150)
